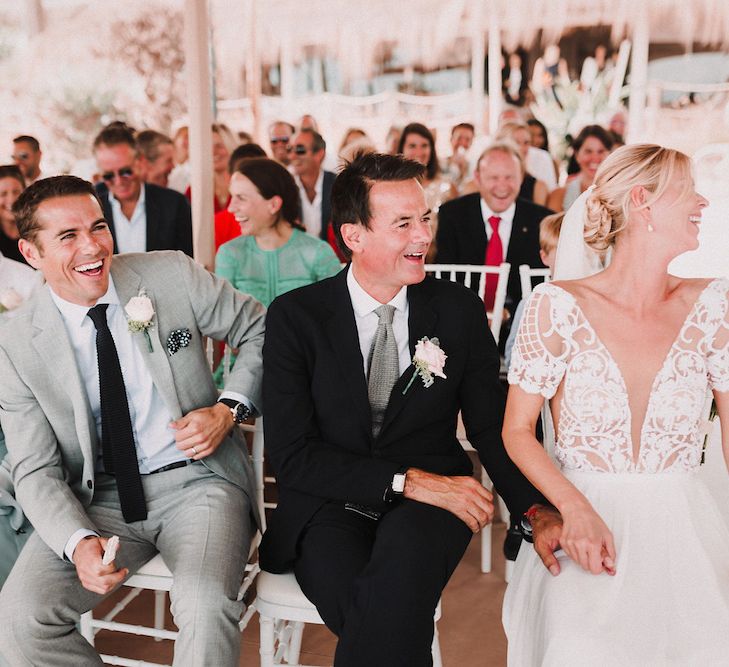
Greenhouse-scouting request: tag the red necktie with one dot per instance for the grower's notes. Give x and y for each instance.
(494, 257)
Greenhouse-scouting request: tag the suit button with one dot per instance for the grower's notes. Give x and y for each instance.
(89, 483)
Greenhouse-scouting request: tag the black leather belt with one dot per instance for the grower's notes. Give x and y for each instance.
(172, 466)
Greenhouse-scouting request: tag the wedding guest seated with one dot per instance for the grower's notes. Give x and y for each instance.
(279, 137)
(377, 502)
(540, 140)
(179, 178)
(456, 165)
(149, 454)
(539, 163)
(223, 143)
(27, 155)
(12, 184)
(156, 157)
(141, 216)
(592, 145)
(492, 225)
(226, 226)
(531, 188)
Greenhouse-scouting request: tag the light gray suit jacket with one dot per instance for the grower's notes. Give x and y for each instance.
(44, 410)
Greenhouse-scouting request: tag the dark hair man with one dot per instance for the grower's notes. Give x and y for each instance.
(27, 155)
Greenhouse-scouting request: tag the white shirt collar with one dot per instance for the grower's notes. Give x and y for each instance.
(363, 304)
(75, 314)
(140, 202)
(506, 216)
(318, 187)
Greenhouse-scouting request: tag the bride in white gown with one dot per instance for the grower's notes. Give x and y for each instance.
(626, 357)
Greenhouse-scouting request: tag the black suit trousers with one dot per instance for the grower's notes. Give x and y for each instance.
(376, 584)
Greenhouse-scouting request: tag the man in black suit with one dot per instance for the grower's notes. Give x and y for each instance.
(377, 502)
(141, 216)
(307, 152)
(464, 231)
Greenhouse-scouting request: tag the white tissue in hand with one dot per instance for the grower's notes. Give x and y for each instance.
(112, 545)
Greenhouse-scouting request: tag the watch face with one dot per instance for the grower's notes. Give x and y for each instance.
(398, 483)
(241, 412)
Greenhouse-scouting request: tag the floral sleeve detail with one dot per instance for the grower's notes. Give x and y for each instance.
(717, 343)
(538, 360)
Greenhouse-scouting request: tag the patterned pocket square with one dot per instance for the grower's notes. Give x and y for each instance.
(177, 339)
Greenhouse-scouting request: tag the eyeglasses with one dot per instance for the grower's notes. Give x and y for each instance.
(299, 149)
(124, 172)
(21, 157)
(280, 140)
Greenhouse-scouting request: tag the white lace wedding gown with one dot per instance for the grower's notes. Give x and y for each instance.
(668, 604)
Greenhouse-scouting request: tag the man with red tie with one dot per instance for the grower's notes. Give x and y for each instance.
(492, 226)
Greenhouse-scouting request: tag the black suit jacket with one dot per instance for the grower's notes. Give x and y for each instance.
(169, 219)
(317, 417)
(326, 204)
(461, 238)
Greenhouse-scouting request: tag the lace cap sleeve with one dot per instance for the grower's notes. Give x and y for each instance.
(538, 359)
(717, 342)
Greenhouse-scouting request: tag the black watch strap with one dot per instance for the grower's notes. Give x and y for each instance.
(240, 411)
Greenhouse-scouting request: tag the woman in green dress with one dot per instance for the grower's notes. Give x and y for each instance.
(274, 254)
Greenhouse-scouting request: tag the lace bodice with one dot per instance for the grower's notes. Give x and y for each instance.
(558, 352)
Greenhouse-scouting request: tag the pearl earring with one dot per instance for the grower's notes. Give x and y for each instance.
(650, 227)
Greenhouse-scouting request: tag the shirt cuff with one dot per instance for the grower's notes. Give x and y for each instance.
(240, 398)
(73, 541)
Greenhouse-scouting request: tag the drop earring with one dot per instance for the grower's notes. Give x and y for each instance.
(650, 227)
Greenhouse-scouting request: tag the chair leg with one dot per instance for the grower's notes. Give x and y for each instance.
(435, 648)
(267, 641)
(293, 650)
(486, 549)
(87, 632)
(160, 599)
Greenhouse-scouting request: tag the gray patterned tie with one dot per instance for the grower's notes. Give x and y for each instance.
(383, 367)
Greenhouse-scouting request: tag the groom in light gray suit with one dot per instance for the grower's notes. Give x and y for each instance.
(193, 498)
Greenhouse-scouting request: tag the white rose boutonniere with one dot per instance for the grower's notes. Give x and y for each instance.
(429, 360)
(140, 314)
(9, 299)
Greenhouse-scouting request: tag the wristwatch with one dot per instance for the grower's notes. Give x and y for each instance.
(525, 526)
(396, 487)
(240, 411)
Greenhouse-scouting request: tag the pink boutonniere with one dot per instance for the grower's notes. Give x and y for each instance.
(429, 360)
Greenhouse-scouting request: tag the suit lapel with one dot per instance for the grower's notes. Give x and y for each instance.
(109, 217)
(517, 240)
(421, 322)
(152, 213)
(127, 284)
(480, 240)
(53, 346)
(344, 339)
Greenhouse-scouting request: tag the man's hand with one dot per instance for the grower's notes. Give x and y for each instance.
(546, 532)
(463, 496)
(200, 432)
(92, 573)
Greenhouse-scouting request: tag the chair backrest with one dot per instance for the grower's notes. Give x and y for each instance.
(474, 276)
(526, 273)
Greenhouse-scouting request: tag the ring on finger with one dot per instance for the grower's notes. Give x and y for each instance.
(194, 451)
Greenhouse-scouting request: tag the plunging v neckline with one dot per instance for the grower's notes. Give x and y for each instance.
(635, 457)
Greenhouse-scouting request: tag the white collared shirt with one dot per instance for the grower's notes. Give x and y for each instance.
(131, 235)
(367, 320)
(311, 210)
(507, 222)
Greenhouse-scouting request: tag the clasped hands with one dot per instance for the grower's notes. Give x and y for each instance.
(199, 433)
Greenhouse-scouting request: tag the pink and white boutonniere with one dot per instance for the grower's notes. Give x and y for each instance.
(140, 314)
(429, 360)
(9, 300)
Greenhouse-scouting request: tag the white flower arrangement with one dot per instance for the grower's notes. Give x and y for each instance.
(140, 314)
(429, 360)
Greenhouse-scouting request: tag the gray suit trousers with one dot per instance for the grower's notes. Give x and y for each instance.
(199, 522)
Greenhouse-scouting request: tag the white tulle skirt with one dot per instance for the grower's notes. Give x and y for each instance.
(668, 604)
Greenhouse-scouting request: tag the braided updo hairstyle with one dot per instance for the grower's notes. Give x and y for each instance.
(609, 205)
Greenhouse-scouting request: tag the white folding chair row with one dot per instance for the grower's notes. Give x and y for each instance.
(526, 273)
(475, 277)
(155, 576)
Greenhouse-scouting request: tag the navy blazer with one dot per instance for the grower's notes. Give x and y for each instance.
(461, 238)
(169, 218)
(326, 204)
(318, 426)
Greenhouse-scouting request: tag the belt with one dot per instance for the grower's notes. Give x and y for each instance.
(173, 466)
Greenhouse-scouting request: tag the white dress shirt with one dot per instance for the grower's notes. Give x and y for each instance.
(507, 222)
(367, 320)
(311, 210)
(131, 235)
(540, 165)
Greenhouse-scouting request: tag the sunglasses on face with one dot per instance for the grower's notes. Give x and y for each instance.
(124, 172)
(298, 149)
(21, 157)
(280, 140)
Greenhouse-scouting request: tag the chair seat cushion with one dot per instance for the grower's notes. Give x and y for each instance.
(282, 589)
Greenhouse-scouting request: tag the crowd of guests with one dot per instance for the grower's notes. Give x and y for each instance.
(491, 200)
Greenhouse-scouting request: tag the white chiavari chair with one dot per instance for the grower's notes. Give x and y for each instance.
(527, 273)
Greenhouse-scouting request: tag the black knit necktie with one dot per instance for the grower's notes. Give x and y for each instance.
(117, 439)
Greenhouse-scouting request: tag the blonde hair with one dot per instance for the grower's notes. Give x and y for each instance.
(507, 130)
(549, 231)
(608, 206)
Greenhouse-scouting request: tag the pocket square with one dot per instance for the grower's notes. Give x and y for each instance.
(177, 339)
